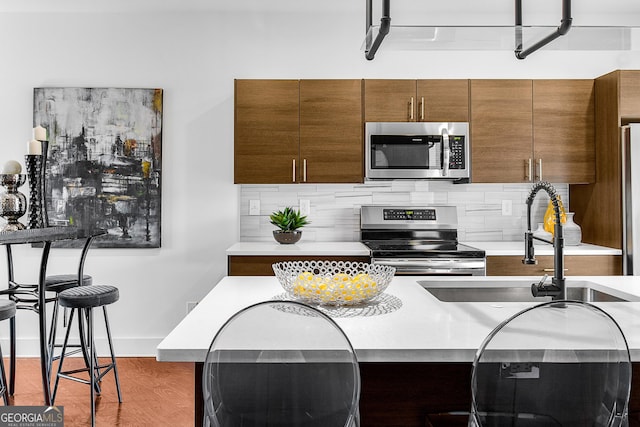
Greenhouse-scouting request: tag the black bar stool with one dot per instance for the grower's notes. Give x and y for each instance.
(56, 284)
(83, 299)
(7, 311)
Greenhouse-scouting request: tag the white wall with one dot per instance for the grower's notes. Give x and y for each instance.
(194, 57)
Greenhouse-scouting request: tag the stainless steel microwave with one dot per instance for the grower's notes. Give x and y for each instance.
(417, 150)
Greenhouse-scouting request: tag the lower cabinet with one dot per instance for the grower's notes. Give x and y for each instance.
(432, 394)
(240, 265)
(574, 265)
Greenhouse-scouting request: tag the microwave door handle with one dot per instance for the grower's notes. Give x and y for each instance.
(445, 152)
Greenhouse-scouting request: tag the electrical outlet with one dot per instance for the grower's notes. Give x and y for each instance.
(305, 207)
(191, 305)
(254, 207)
(507, 208)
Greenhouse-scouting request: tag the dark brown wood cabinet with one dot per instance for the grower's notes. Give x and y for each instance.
(433, 100)
(260, 265)
(532, 130)
(575, 265)
(598, 206)
(291, 131)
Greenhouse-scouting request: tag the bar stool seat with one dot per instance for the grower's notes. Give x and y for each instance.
(88, 296)
(60, 282)
(7, 311)
(85, 299)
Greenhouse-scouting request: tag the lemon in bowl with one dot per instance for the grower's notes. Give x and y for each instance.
(333, 282)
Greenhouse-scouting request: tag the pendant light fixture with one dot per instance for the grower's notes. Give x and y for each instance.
(523, 40)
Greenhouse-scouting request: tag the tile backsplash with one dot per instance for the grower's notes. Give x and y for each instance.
(335, 208)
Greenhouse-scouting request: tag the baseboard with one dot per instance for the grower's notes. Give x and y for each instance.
(123, 347)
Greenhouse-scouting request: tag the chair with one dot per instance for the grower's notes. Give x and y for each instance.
(563, 363)
(83, 299)
(279, 364)
(7, 311)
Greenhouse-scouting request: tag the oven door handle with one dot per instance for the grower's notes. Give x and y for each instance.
(430, 263)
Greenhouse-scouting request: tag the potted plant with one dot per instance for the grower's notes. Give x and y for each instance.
(288, 222)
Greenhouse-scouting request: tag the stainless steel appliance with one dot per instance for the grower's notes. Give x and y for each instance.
(631, 199)
(417, 150)
(419, 240)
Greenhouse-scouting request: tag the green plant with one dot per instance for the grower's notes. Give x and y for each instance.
(288, 219)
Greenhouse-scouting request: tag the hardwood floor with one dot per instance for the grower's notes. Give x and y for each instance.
(153, 393)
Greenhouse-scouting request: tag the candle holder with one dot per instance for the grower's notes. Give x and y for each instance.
(43, 182)
(13, 204)
(34, 174)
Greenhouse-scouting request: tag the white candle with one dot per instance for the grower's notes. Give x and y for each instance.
(12, 168)
(39, 133)
(34, 147)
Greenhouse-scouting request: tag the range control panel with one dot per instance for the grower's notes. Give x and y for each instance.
(409, 214)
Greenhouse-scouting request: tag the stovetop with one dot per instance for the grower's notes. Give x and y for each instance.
(412, 249)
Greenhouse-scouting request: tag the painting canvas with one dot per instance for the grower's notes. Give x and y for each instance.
(104, 162)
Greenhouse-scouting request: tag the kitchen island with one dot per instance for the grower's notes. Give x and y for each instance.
(415, 351)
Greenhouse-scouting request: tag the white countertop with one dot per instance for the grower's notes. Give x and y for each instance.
(358, 249)
(421, 329)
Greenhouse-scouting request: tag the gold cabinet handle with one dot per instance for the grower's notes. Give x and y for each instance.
(540, 169)
(411, 109)
(422, 108)
(293, 179)
(304, 170)
(528, 165)
(547, 270)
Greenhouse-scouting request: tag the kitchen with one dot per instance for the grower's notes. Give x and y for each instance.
(195, 54)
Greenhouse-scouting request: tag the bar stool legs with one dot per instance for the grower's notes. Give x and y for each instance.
(82, 300)
(7, 311)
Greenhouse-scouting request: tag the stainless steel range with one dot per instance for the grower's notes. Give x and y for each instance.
(419, 240)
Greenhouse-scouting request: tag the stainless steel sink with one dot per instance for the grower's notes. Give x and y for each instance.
(517, 291)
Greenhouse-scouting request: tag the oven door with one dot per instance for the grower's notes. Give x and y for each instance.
(435, 266)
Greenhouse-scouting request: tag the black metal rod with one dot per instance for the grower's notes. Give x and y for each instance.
(385, 25)
(563, 28)
(44, 357)
(12, 326)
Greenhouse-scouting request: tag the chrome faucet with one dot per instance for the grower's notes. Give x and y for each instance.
(557, 288)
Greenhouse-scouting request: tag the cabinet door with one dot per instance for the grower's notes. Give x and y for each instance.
(501, 131)
(266, 127)
(563, 130)
(575, 265)
(443, 100)
(331, 131)
(629, 95)
(390, 100)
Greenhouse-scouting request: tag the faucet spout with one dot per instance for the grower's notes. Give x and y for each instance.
(557, 288)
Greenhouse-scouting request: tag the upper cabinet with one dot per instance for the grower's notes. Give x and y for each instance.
(531, 130)
(266, 131)
(290, 131)
(501, 132)
(563, 130)
(416, 100)
(331, 131)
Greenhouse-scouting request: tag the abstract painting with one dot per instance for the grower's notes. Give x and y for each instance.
(104, 162)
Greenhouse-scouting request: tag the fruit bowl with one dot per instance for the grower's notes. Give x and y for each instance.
(333, 282)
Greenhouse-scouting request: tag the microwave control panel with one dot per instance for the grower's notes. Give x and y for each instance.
(456, 156)
(412, 214)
